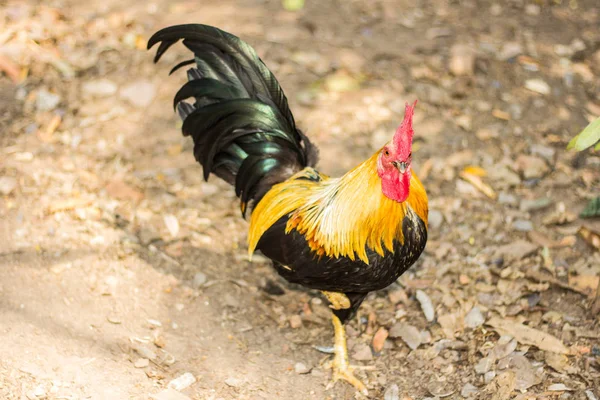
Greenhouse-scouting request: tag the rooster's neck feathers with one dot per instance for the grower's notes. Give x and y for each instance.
(339, 217)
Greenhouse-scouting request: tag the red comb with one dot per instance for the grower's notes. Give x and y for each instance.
(404, 134)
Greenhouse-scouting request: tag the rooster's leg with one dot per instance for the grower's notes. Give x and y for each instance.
(341, 367)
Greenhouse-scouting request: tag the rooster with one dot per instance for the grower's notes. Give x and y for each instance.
(344, 236)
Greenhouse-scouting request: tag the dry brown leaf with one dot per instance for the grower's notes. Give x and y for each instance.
(542, 277)
(500, 388)
(584, 283)
(452, 323)
(560, 363)
(379, 339)
(476, 181)
(592, 238)
(528, 336)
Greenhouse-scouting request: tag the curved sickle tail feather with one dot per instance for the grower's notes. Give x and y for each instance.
(242, 127)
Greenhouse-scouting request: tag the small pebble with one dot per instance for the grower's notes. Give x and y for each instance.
(546, 152)
(408, 333)
(295, 321)
(199, 280)
(392, 392)
(300, 368)
(535, 204)
(426, 305)
(510, 50)
(532, 9)
(496, 9)
(99, 88)
(538, 86)
(40, 391)
(532, 166)
(468, 390)
(522, 225)
(474, 318)
(435, 219)
(484, 365)
(141, 363)
(489, 376)
(233, 382)
(590, 395)
(139, 94)
(46, 101)
(362, 353)
(508, 199)
(182, 382)
(7, 185)
(462, 60)
(154, 323)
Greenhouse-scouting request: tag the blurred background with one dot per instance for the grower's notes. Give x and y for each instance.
(121, 270)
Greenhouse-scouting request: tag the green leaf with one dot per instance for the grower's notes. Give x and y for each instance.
(587, 137)
(293, 5)
(592, 209)
(597, 148)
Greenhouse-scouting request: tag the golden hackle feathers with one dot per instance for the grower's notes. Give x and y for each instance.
(339, 217)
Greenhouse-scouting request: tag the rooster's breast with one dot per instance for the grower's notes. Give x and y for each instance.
(297, 263)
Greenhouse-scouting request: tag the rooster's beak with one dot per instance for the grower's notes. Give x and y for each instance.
(401, 166)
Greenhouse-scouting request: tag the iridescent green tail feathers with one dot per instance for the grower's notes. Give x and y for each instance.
(242, 127)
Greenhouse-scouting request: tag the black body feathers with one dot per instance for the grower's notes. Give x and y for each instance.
(242, 127)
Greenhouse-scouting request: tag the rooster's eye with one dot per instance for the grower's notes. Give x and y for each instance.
(386, 153)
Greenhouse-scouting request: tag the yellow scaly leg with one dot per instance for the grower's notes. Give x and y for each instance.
(341, 367)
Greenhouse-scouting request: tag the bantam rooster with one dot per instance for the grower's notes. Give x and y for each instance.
(344, 236)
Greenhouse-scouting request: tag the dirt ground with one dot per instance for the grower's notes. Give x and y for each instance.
(121, 269)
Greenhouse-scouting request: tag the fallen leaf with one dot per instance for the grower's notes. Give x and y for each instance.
(478, 183)
(474, 170)
(451, 323)
(379, 339)
(526, 374)
(558, 387)
(587, 137)
(426, 305)
(560, 363)
(592, 209)
(362, 353)
(584, 283)
(528, 336)
(592, 238)
(516, 250)
(172, 224)
(500, 388)
(409, 334)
